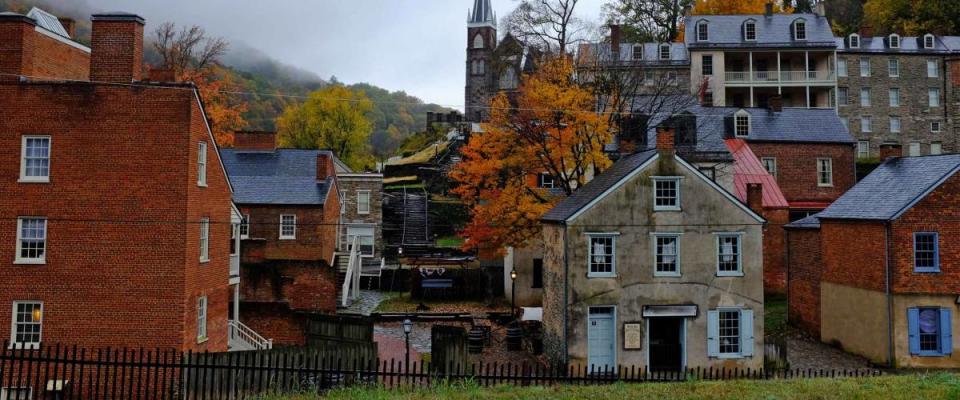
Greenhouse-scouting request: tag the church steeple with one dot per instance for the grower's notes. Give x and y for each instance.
(482, 14)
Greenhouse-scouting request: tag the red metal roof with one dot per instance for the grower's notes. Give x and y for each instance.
(748, 169)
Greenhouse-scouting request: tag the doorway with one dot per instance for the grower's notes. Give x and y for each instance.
(666, 343)
(601, 339)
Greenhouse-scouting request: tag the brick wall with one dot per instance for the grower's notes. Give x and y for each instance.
(275, 321)
(314, 241)
(300, 286)
(116, 48)
(853, 253)
(122, 265)
(255, 140)
(805, 267)
(29, 53)
(797, 169)
(774, 270)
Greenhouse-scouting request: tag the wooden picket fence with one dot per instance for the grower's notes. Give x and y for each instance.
(71, 373)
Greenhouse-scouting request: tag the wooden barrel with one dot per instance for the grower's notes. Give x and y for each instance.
(475, 340)
(514, 337)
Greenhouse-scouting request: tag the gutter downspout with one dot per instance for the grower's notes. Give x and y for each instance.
(566, 343)
(888, 277)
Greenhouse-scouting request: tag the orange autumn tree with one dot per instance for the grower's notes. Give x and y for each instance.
(552, 128)
(730, 7)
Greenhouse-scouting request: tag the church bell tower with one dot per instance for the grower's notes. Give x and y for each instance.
(481, 42)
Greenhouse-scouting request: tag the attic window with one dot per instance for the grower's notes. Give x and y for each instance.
(800, 29)
(637, 52)
(750, 30)
(854, 41)
(741, 123)
(928, 41)
(703, 33)
(665, 51)
(894, 41)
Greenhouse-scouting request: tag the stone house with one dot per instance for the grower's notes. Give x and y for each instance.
(361, 217)
(652, 264)
(115, 209)
(882, 284)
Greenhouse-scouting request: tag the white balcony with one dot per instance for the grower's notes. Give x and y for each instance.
(763, 78)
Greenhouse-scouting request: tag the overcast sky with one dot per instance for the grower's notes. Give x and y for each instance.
(412, 45)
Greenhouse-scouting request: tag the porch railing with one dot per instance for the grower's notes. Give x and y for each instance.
(241, 337)
(351, 282)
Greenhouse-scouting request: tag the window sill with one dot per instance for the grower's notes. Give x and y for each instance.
(666, 275)
(926, 271)
(202, 339)
(203, 185)
(24, 346)
(204, 260)
(21, 261)
(288, 238)
(730, 274)
(591, 276)
(32, 180)
(824, 186)
(667, 208)
(730, 356)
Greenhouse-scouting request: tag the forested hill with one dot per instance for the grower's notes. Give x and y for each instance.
(272, 84)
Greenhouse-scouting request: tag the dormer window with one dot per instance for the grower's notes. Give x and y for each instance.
(665, 51)
(637, 52)
(800, 29)
(928, 41)
(703, 34)
(750, 30)
(741, 123)
(854, 41)
(894, 41)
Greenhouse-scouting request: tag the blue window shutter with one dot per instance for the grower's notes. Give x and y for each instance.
(913, 329)
(936, 251)
(946, 332)
(746, 333)
(713, 333)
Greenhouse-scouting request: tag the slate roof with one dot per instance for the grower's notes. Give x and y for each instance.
(725, 31)
(650, 53)
(282, 176)
(908, 44)
(811, 222)
(593, 189)
(808, 125)
(893, 187)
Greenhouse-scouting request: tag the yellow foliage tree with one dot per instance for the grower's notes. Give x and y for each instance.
(552, 129)
(729, 7)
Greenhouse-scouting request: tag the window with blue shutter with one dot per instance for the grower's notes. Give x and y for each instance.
(930, 331)
(730, 333)
(926, 252)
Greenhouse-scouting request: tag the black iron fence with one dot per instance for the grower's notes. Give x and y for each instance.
(57, 372)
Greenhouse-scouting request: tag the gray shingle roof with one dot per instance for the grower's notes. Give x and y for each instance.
(283, 176)
(808, 125)
(811, 222)
(650, 53)
(892, 187)
(583, 196)
(725, 31)
(908, 44)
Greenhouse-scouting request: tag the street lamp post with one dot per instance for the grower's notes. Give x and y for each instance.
(407, 327)
(513, 292)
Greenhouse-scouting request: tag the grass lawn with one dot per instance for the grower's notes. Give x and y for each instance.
(450, 241)
(775, 315)
(401, 302)
(928, 387)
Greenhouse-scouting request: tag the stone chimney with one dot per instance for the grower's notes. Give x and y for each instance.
(666, 141)
(615, 37)
(776, 103)
(755, 197)
(255, 140)
(70, 26)
(325, 166)
(768, 9)
(889, 150)
(116, 47)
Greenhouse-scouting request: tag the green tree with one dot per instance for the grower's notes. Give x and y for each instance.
(912, 17)
(333, 118)
(648, 20)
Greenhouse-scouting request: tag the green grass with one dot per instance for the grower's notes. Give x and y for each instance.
(450, 241)
(775, 315)
(928, 387)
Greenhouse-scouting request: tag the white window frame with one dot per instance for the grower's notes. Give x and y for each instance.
(936, 126)
(865, 97)
(613, 254)
(933, 71)
(7, 392)
(842, 69)
(676, 181)
(202, 308)
(854, 41)
(746, 31)
(894, 41)
(914, 149)
(294, 225)
(705, 32)
(660, 54)
(824, 168)
(25, 260)
(637, 52)
(894, 94)
(741, 119)
(677, 258)
(866, 123)
(23, 159)
(738, 251)
(772, 167)
(204, 239)
(360, 210)
(202, 164)
(797, 32)
(371, 236)
(245, 227)
(895, 126)
(843, 95)
(14, 344)
(934, 97)
(740, 333)
(893, 67)
(936, 148)
(863, 149)
(929, 41)
(866, 70)
(544, 183)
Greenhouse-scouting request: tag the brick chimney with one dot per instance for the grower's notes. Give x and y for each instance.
(255, 140)
(116, 47)
(17, 46)
(666, 141)
(70, 26)
(325, 165)
(776, 103)
(888, 150)
(615, 37)
(755, 197)
(768, 9)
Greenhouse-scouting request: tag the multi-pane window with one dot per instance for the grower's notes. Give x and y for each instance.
(741, 124)
(245, 227)
(865, 97)
(750, 30)
(929, 332)
(16, 393)
(204, 239)
(363, 202)
(602, 253)
(864, 67)
(728, 255)
(894, 41)
(770, 164)
(926, 252)
(928, 41)
(666, 193)
(800, 30)
(935, 126)
(666, 255)
(914, 149)
(866, 124)
(202, 164)
(841, 67)
(894, 124)
(35, 159)
(702, 33)
(933, 94)
(932, 70)
(365, 239)
(854, 41)
(27, 324)
(664, 51)
(638, 52)
(894, 97)
(936, 149)
(824, 172)
(288, 226)
(201, 318)
(546, 181)
(843, 95)
(707, 68)
(863, 149)
(893, 67)
(729, 332)
(31, 240)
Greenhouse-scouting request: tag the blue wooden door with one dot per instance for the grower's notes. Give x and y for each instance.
(601, 339)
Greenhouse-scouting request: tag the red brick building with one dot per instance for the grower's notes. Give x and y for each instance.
(883, 284)
(291, 206)
(115, 211)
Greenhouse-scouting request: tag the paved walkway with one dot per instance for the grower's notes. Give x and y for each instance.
(804, 352)
(368, 301)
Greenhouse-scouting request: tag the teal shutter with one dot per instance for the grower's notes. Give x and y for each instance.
(913, 329)
(713, 333)
(746, 333)
(946, 332)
